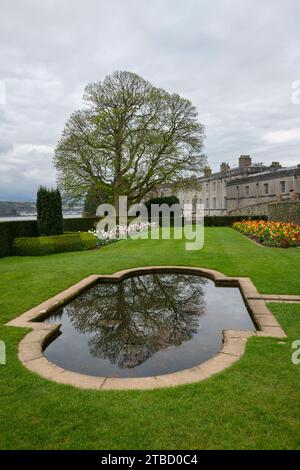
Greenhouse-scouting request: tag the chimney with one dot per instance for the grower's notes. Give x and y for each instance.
(207, 171)
(275, 165)
(245, 161)
(224, 167)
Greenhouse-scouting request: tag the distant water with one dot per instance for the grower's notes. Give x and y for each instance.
(33, 217)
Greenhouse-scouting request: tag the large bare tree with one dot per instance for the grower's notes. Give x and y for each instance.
(129, 137)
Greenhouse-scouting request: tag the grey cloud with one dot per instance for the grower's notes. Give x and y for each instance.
(236, 60)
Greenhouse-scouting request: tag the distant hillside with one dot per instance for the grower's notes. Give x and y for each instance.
(15, 209)
(8, 208)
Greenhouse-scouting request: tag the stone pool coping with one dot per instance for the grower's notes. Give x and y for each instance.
(31, 347)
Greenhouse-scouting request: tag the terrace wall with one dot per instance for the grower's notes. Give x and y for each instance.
(285, 211)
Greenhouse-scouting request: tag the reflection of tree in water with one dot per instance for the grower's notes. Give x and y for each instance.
(139, 316)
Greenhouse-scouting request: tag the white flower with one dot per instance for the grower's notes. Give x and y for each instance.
(121, 231)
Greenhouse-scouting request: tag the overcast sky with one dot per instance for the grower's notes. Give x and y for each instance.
(236, 60)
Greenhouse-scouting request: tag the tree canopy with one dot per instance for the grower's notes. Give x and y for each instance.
(128, 138)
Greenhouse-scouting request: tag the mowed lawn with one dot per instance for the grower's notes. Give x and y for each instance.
(253, 405)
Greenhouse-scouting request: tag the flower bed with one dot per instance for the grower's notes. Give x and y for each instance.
(119, 232)
(275, 234)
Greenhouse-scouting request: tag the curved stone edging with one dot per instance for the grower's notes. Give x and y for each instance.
(234, 341)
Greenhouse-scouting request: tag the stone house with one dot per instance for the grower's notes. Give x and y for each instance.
(247, 188)
(254, 193)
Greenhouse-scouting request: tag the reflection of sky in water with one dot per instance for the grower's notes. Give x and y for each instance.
(146, 325)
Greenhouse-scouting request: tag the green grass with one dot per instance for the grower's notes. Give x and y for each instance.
(253, 405)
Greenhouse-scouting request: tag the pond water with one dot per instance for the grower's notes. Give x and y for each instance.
(145, 325)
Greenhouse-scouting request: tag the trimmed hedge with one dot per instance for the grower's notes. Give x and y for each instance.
(13, 229)
(38, 246)
(80, 224)
(28, 228)
(228, 220)
(220, 221)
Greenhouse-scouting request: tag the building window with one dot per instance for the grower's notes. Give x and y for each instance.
(266, 188)
(215, 202)
(200, 201)
(207, 204)
(225, 202)
(214, 187)
(247, 190)
(283, 186)
(207, 187)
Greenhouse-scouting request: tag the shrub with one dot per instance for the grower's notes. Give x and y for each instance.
(49, 211)
(38, 246)
(169, 200)
(94, 197)
(275, 234)
(83, 224)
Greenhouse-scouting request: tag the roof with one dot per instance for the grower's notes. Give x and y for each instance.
(270, 174)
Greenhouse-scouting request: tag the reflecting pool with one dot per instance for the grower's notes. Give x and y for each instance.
(145, 325)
